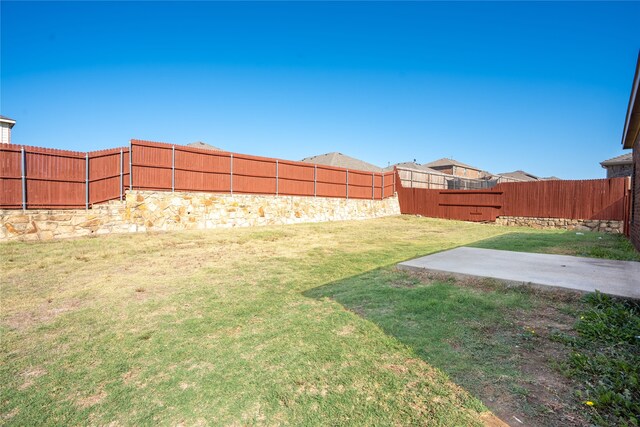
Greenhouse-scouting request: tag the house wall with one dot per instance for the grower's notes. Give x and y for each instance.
(619, 171)
(166, 211)
(5, 133)
(444, 169)
(634, 229)
(466, 172)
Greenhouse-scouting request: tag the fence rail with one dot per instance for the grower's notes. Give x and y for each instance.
(36, 178)
(603, 199)
(417, 178)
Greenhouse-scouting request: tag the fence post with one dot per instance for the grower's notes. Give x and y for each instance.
(315, 179)
(373, 189)
(347, 184)
(428, 180)
(86, 193)
(411, 178)
(276, 177)
(173, 168)
(382, 189)
(395, 174)
(121, 171)
(130, 166)
(23, 173)
(231, 175)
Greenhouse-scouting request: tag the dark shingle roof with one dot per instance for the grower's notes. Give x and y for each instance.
(521, 175)
(623, 159)
(450, 162)
(415, 166)
(342, 161)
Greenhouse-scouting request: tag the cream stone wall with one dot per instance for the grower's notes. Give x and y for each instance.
(605, 226)
(164, 211)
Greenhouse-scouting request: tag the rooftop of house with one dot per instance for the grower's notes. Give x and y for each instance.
(10, 122)
(414, 166)
(450, 162)
(521, 175)
(623, 159)
(204, 146)
(342, 161)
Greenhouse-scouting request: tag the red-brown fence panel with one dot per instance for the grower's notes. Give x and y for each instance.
(151, 165)
(586, 199)
(10, 176)
(256, 175)
(389, 179)
(295, 178)
(202, 170)
(361, 185)
(377, 189)
(331, 182)
(55, 178)
(108, 174)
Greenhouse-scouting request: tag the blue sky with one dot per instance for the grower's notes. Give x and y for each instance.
(541, 87)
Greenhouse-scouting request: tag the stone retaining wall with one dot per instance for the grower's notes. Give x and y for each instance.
(163, 211)
(605, 226)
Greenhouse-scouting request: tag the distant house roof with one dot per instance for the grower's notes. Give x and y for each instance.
(342, 161)
(521, 175)
(550, 178)
(10, 122)
(204, 145)
(450, 162)
(631, 132)
(415, 166)
(623, 159)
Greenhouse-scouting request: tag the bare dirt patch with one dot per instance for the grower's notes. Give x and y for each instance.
(44, 313)
(29, 376)
(549, 393)
(347, 330)
(541, 396)
(92, 400)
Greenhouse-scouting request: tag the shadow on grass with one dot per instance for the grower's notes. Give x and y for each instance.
(469, 330)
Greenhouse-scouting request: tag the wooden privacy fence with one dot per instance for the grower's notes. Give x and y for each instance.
(603, 199)
(159, 166)
(36, 178)
(416, 178)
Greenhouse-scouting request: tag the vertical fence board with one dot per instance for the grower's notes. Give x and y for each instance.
(10, 177)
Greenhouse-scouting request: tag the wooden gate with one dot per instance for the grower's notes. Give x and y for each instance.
(463, 205)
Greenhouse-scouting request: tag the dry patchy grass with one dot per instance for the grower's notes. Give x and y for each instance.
(213, 327)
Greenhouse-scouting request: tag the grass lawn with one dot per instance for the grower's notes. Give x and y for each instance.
(276, 325)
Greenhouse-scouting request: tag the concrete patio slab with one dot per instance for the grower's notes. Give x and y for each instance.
(620, 278)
